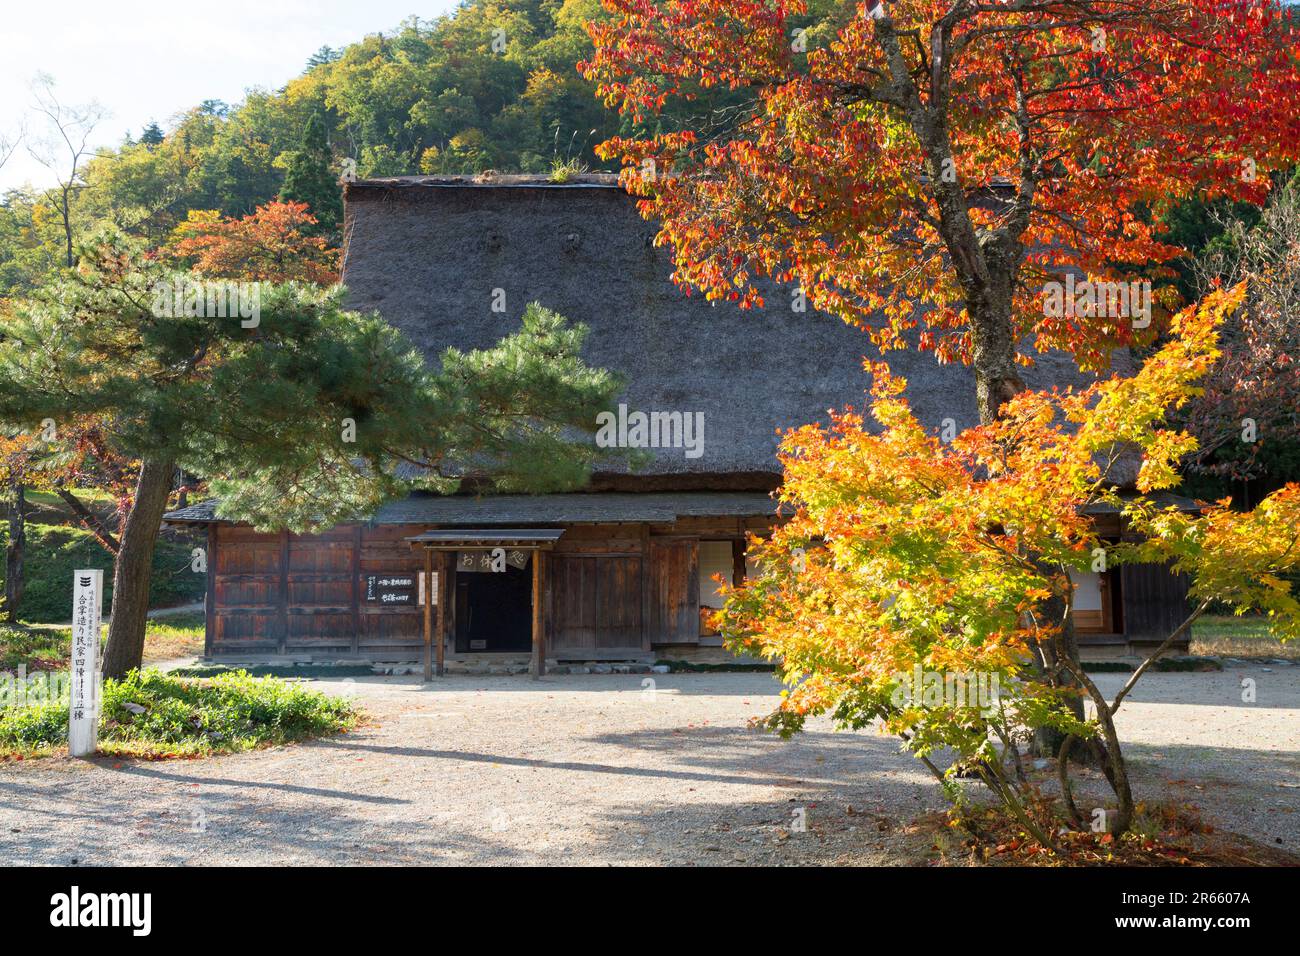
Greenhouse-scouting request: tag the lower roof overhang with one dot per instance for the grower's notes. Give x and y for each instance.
(514, 511)
(459, 539)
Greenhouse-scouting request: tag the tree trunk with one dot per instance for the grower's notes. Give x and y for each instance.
(1048, 740)
(15, 552)
(67, 223)
(134, 566)
(993, 347)
(993, 355)
(89, 519)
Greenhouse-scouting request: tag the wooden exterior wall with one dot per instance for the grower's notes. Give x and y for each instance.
(1153, 600)
(618, 591)
(611, 592)
(296, 594)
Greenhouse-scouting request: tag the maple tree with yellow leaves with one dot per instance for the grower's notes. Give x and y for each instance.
(909, 555)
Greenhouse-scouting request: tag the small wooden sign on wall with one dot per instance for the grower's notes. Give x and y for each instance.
(397, 590)
(434, 575)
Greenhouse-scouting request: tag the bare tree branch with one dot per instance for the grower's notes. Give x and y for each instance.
(89, 519)
(63, 147)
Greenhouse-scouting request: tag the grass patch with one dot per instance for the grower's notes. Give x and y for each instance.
(96, 499)
(47, 647)
(186, 620)
(37, 648)
(54, 551)
(156, 715)
(1225, 635)
(167, 638)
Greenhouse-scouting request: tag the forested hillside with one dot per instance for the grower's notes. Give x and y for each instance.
(492, 86)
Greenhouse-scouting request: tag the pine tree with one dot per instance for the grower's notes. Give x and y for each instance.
(326, 54)
(309, 179)
(298, 413)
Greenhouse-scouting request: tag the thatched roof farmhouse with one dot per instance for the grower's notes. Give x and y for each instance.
(621, 572)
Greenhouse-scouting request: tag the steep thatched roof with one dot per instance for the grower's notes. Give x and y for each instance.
(428, 252)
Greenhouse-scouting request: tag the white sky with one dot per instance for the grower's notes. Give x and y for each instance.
(146, 60)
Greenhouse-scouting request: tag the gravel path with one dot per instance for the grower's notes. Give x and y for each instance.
(601, 769)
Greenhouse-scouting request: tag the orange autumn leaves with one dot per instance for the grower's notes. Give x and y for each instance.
(905, 550)
(1095, 116)
(272, 244)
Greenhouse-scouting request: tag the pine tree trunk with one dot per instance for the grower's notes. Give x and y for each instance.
(15, 552)
(134, 566)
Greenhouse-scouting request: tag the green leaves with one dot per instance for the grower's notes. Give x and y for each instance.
(148, 713)
(309, 178)
(526, 404)
(313, 416)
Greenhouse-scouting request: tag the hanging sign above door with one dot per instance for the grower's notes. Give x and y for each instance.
(494, 560)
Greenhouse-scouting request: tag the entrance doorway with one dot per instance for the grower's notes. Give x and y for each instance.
(494, 611)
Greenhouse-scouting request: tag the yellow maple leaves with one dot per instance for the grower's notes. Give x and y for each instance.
(908, 551)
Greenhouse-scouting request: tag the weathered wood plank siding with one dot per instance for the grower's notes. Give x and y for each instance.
(595, 592)
(612, 591)
(247, 591)
(674, 591)
(290, 594)
(573, 599)
(384, 550)
(1153, 601)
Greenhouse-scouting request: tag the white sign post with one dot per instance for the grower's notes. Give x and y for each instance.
(83, 709)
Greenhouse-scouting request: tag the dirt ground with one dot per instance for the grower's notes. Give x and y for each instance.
(617, 769)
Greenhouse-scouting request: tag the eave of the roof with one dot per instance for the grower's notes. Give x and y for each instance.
(444, 540)
(574, 508)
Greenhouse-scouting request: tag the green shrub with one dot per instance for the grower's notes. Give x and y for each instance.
(37, 648)
(55, 551)
(34, 729)
(184, 717)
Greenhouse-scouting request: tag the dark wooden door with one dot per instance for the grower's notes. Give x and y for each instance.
(1154, 600)
(595, 606)
(618, 603)
(674, 591)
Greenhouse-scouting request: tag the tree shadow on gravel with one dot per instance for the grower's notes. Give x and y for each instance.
(791, 832)
(217, 828)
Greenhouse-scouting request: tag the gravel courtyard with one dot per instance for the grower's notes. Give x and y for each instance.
(610, 770)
